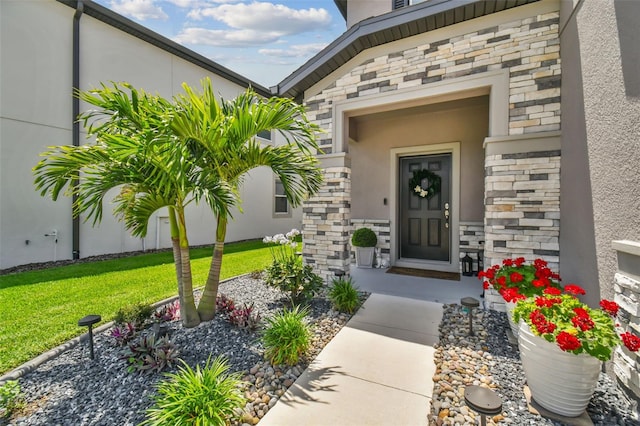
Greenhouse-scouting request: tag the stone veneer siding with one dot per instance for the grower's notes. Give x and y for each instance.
(522, 207)
(326, 224)
(627, 295)
(471, 237)
(382, 229)
(529, 48)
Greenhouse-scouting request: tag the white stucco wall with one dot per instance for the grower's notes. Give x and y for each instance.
(35, 112)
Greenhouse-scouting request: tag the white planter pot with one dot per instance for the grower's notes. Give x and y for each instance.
(559, 381)
(364, 257)
(510, 306)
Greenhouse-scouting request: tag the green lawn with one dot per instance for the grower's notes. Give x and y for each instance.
(40, 309)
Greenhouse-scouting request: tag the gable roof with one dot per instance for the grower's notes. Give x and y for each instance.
(109, 17)
(398, 24)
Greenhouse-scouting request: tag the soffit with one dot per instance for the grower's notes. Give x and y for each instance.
(396, 25)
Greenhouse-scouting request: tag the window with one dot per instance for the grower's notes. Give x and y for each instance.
(281, 204)
(265, 134)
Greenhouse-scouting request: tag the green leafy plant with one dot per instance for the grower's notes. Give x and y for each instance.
(11, 398)
(205, 396)
(344, 295)
(245, 317)
(286, 336)
(364, 237)
(287, 273)
(147, 354)
(137, 314)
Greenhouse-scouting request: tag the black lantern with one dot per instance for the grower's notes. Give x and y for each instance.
(467, 265)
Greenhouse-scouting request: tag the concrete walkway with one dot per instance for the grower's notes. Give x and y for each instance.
(378, 368)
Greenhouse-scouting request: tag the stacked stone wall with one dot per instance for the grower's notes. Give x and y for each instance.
(326, 224)
(522, 207)
(529, 48)
(627, 295)
(472, 237)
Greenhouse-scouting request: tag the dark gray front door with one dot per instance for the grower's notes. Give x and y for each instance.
(424, 223)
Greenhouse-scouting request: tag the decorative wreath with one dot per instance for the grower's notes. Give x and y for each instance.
(416, 181)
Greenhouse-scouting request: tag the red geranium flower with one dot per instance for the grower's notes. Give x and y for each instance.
(574, 289)
(502, 281)
(507, 262)
(567, 341)
(631, 341)
(516, 277)
(519, 261)
(486, 285)
(552, 291)
(610, 307)
(544, 302)
(538, 283)
(511, 294)
(583, 322)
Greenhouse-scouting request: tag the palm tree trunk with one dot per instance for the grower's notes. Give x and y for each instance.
(207, 305)
(188, 310)
(175, 245)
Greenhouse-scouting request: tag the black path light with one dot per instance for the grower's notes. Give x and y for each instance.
(88, 321)
(467, 265)
(484, 401)
(470, 303)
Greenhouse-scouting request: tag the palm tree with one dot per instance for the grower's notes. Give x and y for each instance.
(135, 151)
(221, 138)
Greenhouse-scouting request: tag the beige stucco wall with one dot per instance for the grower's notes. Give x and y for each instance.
(600, 139)
(463, 121)
(358, 10)
(35, 112)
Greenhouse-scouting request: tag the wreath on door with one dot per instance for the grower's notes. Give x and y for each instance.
(427, 191)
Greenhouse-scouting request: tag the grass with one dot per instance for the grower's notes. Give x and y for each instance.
(41, 309)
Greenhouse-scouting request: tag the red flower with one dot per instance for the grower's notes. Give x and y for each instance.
(574, 289)
(582, 320)
(538, 283)
(631, 341)
(544, 302)
(507, 262)
(539, 263)
(485, 285)
(519, 261)
(567, 342)
(552, 291)
(516, 277)
(511, 294)
(610, 307)
(502, 281)
(540, 322)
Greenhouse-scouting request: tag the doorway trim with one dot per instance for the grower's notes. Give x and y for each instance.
(452, 148)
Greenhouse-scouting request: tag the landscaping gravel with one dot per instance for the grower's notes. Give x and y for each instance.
(73, 390)
(489, 359)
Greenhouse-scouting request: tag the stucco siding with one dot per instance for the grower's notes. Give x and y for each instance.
(35, 112)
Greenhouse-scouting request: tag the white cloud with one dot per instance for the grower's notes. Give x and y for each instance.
(263, 16)
(295, 51)
(198, 3)
(222, 38)
(139, 9)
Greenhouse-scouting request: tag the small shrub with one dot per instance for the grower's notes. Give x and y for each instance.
(344, 295)
(123, 333)
(256, 275)
(292, 277)
(11, 398)
(364, 237)
(137, 314)
(147, 354)
(286, 337)
(204, 396)
(245, 318)
(224, 304)
(169, 312)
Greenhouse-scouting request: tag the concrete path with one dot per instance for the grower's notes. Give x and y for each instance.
(378, 368)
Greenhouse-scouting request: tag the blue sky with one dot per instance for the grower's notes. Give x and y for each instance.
(261, 40)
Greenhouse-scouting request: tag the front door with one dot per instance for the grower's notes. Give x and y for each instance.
(425, 231)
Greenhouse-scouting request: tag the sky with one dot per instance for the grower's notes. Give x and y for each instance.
(262, 40)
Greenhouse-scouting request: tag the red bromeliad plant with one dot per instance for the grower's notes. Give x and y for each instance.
(515, 280)
(574, 326)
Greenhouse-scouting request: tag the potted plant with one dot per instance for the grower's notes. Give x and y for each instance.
(364, 240)
(562, 344)
(516, 280)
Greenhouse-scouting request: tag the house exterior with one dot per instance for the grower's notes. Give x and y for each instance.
(39, 70)
(527, 110)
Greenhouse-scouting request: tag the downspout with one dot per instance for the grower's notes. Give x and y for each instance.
(75, 129)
